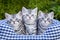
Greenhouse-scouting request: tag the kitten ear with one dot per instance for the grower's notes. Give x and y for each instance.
(7, 15)
(35, 10)
(40, 14)
(19, 14)
(51, 15)
(24, 9)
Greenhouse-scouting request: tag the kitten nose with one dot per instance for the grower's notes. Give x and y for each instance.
(29, 17)
(14, 22)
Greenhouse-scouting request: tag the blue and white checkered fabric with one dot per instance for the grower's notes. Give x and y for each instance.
(52, 33)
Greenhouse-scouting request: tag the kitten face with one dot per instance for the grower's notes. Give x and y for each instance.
(45, 19)
(29, 15)
(15, 19)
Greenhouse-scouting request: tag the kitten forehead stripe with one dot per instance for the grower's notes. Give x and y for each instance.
(29, 10)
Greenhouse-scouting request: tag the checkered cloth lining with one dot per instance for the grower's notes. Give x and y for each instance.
(52, 33)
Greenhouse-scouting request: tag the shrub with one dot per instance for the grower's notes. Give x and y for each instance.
(13, 6)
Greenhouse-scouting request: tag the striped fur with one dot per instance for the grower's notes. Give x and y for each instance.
(44, 20)
(16, 21)
(29, 17)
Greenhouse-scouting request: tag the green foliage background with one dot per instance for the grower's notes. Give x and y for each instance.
(13, 6)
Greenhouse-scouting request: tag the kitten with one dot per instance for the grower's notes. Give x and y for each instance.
(16, 21)
(29, 17)
(44, 20)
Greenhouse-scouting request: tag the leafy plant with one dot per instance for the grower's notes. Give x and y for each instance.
(13, 6)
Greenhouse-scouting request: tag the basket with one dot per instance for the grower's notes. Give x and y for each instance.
(7, 32)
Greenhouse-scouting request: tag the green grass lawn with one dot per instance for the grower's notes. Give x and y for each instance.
(13, 6)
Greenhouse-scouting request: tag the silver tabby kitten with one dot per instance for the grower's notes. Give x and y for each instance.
(44, 20)
(29, 17)
(16, 21)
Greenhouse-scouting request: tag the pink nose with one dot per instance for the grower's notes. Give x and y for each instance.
(29, 17)
(14, 22)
